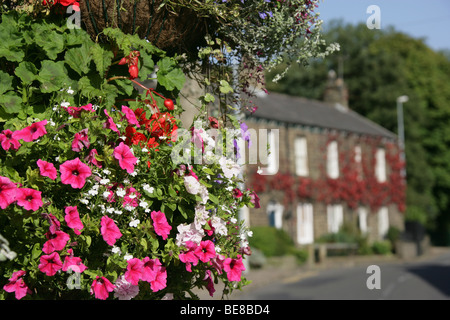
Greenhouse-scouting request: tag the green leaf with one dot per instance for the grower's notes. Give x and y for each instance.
(172, 192)
(78, 59)
(182, 211)
(225, 87)
(5, 82)
(11, 42)
(207, 170)
(172, 80)
(102, 58)
(147, 66)
(88, 240)
(11, 103)
(36, 251)
(209, 97)
(169, 76)
(143, 243)
(52, 42)
(52, 76)
(26, 71)
(213, 198)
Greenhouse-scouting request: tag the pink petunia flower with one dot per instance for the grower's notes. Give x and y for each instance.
(92, 160)
(8, 191)
(72, 263)
(126, 158)
(29, 199)
(150, 269)
(189, 256)
(74, 172)
(32, 132)
(160, 281)
(47, 169)
(255, 199)
(72, 219)
(56, 241)
(160, 224)
(237, 193)
(50, 264)
(233, 268)
(76, 111)
(109, 124)
(134, 271)
(8, 140)
(154, 273)
(55, 225)
(210, 283)
(131, 117)
(17, 285)
(80, 140)
(205, 251)
(217, 263)
(109, 230)
(101, 287)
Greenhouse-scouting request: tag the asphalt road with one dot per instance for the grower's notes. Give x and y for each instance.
(424, 280)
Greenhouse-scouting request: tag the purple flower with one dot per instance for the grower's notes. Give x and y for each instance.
(245, 134)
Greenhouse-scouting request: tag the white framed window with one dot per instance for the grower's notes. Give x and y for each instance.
(335, 217)
(333, 160)
(272, 152)
(383, 221)
(362, 219)
(275, 214)
(380, 165)
(301, 156)
(305, 223)
(358, 161)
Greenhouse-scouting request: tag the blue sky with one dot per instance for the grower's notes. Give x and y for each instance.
(428, 19)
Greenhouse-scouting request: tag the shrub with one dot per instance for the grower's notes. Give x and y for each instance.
(382, 247)
(271, 241)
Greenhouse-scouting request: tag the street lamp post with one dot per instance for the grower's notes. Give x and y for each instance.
(401, 130)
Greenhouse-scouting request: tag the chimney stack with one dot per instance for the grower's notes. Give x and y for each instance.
(336, 92)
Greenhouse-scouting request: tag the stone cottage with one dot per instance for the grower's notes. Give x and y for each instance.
(327, 166)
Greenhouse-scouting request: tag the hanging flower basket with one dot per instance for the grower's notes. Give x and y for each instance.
(178, 30)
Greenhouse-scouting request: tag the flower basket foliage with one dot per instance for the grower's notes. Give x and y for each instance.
(100, 196)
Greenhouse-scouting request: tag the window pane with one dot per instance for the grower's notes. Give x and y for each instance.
(333, 160)
(380, 169)
(301, 157)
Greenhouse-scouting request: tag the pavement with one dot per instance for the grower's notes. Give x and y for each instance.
(286, 270)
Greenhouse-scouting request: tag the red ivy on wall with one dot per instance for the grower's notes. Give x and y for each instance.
(356, 185)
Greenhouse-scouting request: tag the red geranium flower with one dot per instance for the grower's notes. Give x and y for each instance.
(162, 124)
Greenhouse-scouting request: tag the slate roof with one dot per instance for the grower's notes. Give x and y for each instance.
(298, 110)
